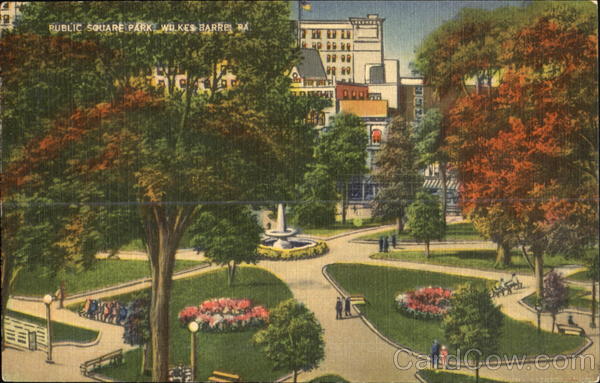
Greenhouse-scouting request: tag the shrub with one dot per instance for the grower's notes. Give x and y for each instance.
(266, 252)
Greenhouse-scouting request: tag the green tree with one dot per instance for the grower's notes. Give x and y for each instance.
(473, 323)
(137, 327)
(294, 338)
(430, 134)
(396, 173)
(555, 295)
(425, 222)
(318, 196)
(342, 150)
(168, 149)
(229, 236)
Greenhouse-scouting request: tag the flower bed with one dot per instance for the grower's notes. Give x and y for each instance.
(425, 303)
(224, 315)
(267, 252)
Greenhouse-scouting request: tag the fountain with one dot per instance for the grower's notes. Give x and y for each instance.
(281, 237)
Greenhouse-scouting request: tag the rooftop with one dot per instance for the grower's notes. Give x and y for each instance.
(365, 108)
(310, 65)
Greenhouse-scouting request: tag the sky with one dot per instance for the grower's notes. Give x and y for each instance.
(406, 24)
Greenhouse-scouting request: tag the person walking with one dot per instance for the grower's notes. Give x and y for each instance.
(347, 304)
(435, 354)
(338, 308)
(444, 357)
(381, 244)
(386, 244)
(394, 241)
(60, 295)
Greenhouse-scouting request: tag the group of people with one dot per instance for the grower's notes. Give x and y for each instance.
(342, 305)
(180, 374)
(111, 312)
(503, 287)
(439, 355)
(384, 243)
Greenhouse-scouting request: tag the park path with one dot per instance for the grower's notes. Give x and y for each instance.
(352, 350)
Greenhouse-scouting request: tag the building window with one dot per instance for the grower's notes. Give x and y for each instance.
(328, 58)
(419, 90)
(328, 45)
(348, 46)
(304, 44)
(348, 57)
(348, 69)
(345, 93)
(303, 33)
(334, 46)
(314, 45)
(328, 70)
(418, 101)
(343, 46)
(206, 84)
(329, 33)
(319, 45)
(361, 95)
(418, 112)
(309, 82)
(224, 83)
(161, 83)
(321, 118)
(349, 34)
(376, 136)
(333, 71)
(343, 58)
(353, 93)
(334, 34)
(159, 71)
(343, 70)
(233, 82)
(333, 58)
(182, 83)
(5, 5)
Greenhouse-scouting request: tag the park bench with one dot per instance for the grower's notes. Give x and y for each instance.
(224, 377)
(358, 299)
(570, 329)
(113, 358)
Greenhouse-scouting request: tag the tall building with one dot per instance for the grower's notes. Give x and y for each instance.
(349, 49)
(9, 14)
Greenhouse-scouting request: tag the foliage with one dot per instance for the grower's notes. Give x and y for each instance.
(270, 253)
(294, 338)
(396, 172)
(342, 152)
(425, 221)
(229, 236)
(318, 195)
(165, 148)
(473, 322)
(137, 326)
(555, 295)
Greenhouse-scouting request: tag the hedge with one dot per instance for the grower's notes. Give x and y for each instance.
(266, 252)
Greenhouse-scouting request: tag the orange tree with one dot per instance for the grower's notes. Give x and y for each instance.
(527, 152)
(166, 149)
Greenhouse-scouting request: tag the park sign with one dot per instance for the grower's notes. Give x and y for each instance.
(145, 27)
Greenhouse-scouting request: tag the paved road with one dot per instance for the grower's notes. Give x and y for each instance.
(352, 349)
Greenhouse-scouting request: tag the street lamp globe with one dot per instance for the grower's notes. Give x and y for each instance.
(193, 326)
(48, 299)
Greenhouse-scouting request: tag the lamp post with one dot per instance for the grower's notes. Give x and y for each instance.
(538, 310)
(193, 327)
(47, 301)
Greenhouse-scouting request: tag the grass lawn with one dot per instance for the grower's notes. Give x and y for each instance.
(580, 276)
(330, 378)
(475, 259)
(60, 332)
(462, 231)
(579, 299)
(105, 272)
(440, 376)
(229, 352)
(381, 285)
(338, 227)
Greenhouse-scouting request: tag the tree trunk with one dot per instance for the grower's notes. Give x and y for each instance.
(144, 366)
(399, 225)
(295, 376)
(594, 308)
(477, 375)
(164, 228)
(230, 273)
(443, 181)
(553, 322)
(503, 256)
(539, 273)
(344, 201)
(427, 249)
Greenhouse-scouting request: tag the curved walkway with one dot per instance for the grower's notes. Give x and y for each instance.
(352, 350)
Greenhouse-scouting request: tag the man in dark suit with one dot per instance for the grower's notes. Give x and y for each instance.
(338, 308)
